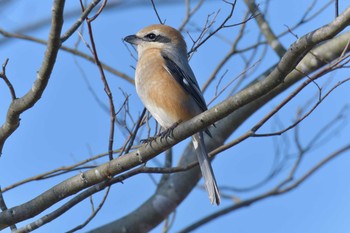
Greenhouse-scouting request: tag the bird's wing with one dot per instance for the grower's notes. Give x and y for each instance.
(186, 81)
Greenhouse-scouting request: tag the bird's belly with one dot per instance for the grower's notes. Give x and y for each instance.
(162, 116)
(165, 107)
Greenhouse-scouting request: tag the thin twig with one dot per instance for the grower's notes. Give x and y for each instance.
(190, 13)
(7, 81)
(94, 212)
(200, 41)
(134, 133)
(103, 78)
(155, 10)
(69, 50)
(81, 19)
(336, 8)
(227, 57)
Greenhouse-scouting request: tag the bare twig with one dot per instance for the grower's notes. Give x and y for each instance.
(227, 57)
(54, 173)
(155, 11)
(336, 8)
(218, 93)
(190, 13)
(81, 19)
(69, 50)
(103, 78)
(134, 133)
(99, 11)
(7, 81)
(201, 40)
(94, 212)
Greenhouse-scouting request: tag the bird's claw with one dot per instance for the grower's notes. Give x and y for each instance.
(164, 134)
(168, 132)
(148, 140)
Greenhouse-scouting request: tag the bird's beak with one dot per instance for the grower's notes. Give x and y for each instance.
(132, 39)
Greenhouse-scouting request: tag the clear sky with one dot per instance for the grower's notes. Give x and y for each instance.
(68, 125)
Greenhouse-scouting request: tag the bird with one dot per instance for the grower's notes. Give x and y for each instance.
(169, 90)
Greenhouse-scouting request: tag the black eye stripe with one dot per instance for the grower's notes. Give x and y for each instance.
(163, 39)
(156, 38)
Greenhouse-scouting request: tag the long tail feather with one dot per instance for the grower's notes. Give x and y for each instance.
(205, 166)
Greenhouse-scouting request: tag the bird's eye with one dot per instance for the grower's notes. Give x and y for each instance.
(151, 36)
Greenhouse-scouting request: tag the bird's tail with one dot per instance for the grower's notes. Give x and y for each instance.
(205, 166)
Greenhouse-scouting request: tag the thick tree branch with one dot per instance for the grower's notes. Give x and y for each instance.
(20, 105)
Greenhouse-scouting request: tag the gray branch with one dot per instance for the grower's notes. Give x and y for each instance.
(19, 105)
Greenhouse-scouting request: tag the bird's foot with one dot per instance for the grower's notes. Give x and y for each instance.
(168, 132)
(164, 134)
(148, 140)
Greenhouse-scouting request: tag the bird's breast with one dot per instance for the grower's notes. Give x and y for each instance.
(164, 98)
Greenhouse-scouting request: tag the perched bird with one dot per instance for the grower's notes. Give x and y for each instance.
(169, 90)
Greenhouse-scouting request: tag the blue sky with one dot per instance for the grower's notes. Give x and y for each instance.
(67, 125)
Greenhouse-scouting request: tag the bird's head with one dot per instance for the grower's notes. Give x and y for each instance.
(158, 36)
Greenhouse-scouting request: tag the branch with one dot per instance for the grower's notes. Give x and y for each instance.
(190, 13)
(3, 207)
(201, 40)
(69, 50)
(227, 57)
(81, 19)
(155, 11)
(271, 38)
(20, 105)
(7, 81)
(103, 78)
(94, 212)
